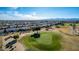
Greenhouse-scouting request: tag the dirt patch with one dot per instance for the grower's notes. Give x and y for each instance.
(70, 43)
(19, 47)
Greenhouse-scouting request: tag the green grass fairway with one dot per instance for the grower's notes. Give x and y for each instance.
(48, 41)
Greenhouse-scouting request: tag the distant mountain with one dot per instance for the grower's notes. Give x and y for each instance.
(64, 19)
(53, 19)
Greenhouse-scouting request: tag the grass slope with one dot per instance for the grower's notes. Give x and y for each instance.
(48, 41)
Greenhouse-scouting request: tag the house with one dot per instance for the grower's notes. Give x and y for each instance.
(9, 44)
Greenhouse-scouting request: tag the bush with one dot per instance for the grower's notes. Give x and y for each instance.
(57, 26)
(35, 35)
(16, 36)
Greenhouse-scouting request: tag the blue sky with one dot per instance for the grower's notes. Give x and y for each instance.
(34, 13)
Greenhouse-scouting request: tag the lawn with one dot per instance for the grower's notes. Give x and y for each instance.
(68, 24)
(48, 41)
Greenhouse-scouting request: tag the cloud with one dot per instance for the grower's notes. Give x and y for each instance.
(8, 17)
(14, 8)
(15, 15)
(32, 16)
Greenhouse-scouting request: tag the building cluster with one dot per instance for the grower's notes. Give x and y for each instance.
(9, 43)
(23, 25)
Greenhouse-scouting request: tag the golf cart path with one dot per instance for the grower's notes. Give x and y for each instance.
(19, 45)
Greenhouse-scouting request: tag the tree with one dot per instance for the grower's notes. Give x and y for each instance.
(36, 34)
(62, 24)
(57, 26)
(47, 27)
(16, 36)
(73, 27)
(36, 29)
(5, 31)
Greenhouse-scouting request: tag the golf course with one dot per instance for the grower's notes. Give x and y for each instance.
(48, 41)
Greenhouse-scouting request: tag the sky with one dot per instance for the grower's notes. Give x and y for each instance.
(36, 13)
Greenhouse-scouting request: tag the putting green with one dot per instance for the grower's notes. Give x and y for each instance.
(48, 41)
